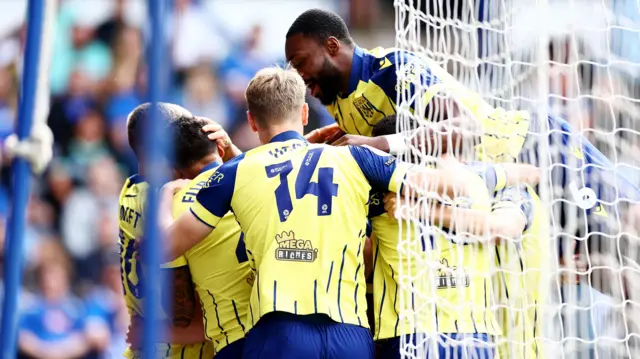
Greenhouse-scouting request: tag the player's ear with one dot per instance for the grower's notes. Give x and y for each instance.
(252, 122)
(332, 45)
(305, 114)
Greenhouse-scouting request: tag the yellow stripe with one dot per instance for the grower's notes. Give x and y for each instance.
(204, 215)
(398, 176)
(501, 177)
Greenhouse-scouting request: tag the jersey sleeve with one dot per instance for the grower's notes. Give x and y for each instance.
(413, 72)
(214, 200)
(381, 170)
(516, 198)
(494, 175)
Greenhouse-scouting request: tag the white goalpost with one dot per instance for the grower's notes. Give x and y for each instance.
(575, 60)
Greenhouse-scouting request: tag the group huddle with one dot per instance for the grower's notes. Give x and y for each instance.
(273, 250)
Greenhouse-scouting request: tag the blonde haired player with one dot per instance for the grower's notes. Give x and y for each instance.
(303, 209)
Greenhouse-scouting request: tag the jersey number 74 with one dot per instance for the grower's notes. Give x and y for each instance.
(324, 189)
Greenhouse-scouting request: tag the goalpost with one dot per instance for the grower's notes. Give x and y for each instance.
(578, 60)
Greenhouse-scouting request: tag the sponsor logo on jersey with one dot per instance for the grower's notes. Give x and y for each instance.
(364, 107)
(451, 276)
(292, 249)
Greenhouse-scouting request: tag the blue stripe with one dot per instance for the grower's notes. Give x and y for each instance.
(395, 300)
(215, 306)
(355, 294)
(200, 219)
(274, 295)
(384, 292)
(184, 347)
(295, 307)
(253, 322)
(204, 319)
(168, 351)
(340, 283)
(329, 280)
(235, 310)
(201, 349)
(315, 295)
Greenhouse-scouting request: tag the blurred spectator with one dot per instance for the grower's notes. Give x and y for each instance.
(52, 326)
(68, 109)
(202, 95)
(108, 30)
(59, 187)
(107, 316)
(89, 144)
(236, 71)
(76, 48)
(40, 220)
(80, 212)
(194, 39)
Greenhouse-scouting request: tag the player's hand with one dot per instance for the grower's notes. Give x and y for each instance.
(521, 173)
(171, 188)
(215, 132)
(379, 143)
(406, 209)
(133, 333)
(324, 134)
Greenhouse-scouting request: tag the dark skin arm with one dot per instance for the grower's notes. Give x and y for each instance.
(181, 303)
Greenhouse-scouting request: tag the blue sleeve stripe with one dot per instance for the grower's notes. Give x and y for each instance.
(378, 167)
(200, 219)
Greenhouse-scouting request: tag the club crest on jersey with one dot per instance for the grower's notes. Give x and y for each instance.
(365, 107)
(451, 276)
(292, 249)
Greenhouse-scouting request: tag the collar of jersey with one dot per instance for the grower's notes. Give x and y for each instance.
(356, 68)
(286, 136)
(135, 179)
(211, 166)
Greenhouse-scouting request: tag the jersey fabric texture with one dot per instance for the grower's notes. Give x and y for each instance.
(224, 288)
(131, 227)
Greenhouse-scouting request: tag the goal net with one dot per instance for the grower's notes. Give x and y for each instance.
(572, 291)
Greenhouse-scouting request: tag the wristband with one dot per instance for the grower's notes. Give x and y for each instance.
(397, 144)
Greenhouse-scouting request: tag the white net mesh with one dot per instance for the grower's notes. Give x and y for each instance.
(573, 60)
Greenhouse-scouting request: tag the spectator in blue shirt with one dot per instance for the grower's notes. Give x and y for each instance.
(52, 327)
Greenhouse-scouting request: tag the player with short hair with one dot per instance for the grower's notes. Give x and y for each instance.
(360, 87)
(192, 148)
(457, 316)
(303, 209)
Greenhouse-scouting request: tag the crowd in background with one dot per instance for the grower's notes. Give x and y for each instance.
(71, 303)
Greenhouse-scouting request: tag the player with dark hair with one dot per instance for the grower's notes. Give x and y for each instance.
(195, 156)
(292, 200)
(360, 87)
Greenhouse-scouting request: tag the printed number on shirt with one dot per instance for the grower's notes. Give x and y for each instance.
(324, 189)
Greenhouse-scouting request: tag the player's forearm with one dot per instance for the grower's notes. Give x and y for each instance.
(463, 221)
(178, 297)
(445, 183)
(497, 225)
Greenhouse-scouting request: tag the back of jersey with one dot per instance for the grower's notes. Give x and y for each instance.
(303, 210)
(131, 226)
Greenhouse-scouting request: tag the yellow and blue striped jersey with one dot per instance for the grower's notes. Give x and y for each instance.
(520, 280)
(522, 283)
(373, 91)
(131, 227)
(464, 273)
(303, 209)
(475, 319)
(223, 288)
